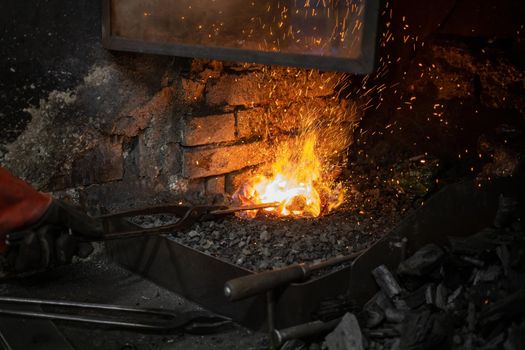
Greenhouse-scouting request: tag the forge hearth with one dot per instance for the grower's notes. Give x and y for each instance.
(200, 276)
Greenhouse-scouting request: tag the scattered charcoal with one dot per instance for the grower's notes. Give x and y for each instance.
(517, 255)
(451, 300)
(383, 333)
(381, 299)
(505, 308)
(440, 300)
(487, 275)
(386, 281)
(394, 315)
(504, 256)
(294, 344)
(424, 330)
(422, 262)
(515, 338)
(346, 336)
(393, 344)
(400, 304)
(416, 328)
(372, 317)
(484, 240)
(494, 343)
(480, 285)
(457, 340)
(416, 298)
(430, 294)
(473, 261)
(471, 316)
(508, 211)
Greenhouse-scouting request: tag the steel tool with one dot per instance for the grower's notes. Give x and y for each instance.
(255, 284)
(198, 322)
(119, 226)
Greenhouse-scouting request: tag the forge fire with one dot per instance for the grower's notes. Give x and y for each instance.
(294, 174)
(298, 181)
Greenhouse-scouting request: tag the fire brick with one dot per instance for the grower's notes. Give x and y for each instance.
(215, 185)
(251, 122)
(209, 129)
(206, 162)
(236, 90)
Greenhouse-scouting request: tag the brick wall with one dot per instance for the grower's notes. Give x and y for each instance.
(190, 131)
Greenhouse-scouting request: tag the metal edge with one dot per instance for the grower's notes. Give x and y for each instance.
(364, 64)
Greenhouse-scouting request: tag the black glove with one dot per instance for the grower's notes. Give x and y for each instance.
(62, 233)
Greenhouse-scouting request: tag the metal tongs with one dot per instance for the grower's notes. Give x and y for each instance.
(118, 226)
(197, 322)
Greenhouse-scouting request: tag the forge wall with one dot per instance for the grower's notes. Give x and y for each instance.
(127, 128)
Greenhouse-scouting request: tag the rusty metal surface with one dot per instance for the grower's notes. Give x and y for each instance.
(459, 209)
(362, 64)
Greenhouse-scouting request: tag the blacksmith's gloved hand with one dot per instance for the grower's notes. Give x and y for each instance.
(42, 232)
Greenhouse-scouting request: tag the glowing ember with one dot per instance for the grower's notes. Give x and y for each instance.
(296, 181)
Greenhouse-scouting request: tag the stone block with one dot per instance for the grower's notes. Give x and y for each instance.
(287, 84)
(192, 91)
(206, 162)
(251, 122)
(235, 179)
(209, 129)
(215, 185)
(236, 90)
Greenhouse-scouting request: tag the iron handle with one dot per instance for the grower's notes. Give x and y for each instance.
(304, 330)
(250, 285)
(254, 284)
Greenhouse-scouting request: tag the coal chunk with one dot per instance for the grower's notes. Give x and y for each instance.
(422, 262)
(346, 336)
(386, 281)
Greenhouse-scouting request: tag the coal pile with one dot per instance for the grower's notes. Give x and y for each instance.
(378, 198)
(469, 294)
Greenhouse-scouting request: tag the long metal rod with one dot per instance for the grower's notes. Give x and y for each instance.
(191, 215)
(166, 319)
(232, 210)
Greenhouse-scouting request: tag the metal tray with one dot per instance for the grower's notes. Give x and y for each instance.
(459, 209)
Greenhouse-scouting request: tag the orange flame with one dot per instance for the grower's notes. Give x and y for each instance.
(296, 182)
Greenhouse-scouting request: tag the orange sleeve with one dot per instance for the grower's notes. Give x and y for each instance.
(20, 204)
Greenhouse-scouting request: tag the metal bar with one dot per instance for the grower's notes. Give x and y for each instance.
(35, 334)
(248, 286)
(305, 330)
(232, 210)
(166, 319)
(270, 313)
